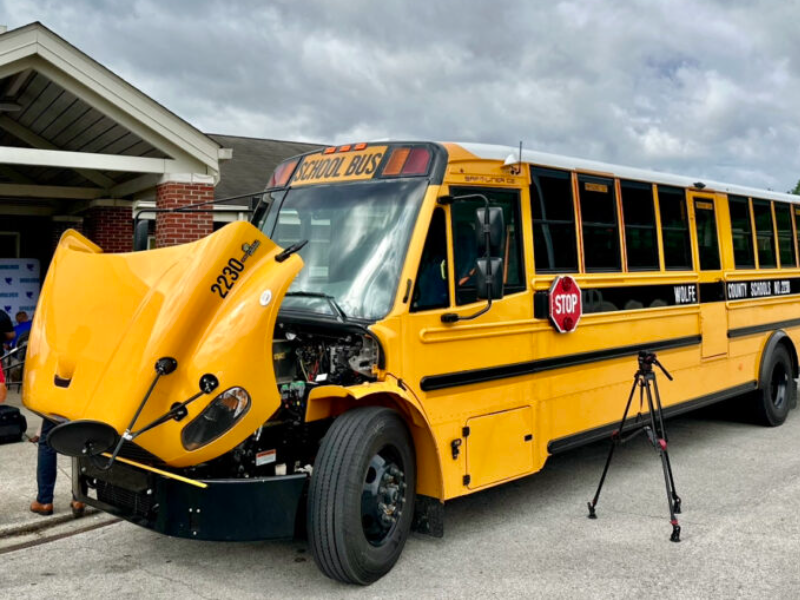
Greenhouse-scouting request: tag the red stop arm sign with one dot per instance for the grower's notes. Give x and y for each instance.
(565, 304)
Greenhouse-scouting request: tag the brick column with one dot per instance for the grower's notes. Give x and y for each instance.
(180, 228)
(110, 227)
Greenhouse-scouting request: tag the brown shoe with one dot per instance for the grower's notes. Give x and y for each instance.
(42, 509)
(78, 508)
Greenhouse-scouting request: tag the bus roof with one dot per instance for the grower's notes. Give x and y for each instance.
(494, 152)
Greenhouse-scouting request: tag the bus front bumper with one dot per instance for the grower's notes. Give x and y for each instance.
(264, 508)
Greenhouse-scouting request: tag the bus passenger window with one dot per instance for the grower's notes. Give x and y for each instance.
(599, 221)
(796, 211)
(742, 233)
(674, 229)
(765, 234)
(554, 239)
(465, 243)
(707, 242)
(640, 226)
(783, 218)
(431, 288)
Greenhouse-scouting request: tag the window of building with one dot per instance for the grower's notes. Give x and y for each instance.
(707, 243)
(765, 234)
(639, 215)
(675, 228)
(599, 222)
(783, 221)
(554, 238)
(431, 288)
(465, 242)
(741, 232)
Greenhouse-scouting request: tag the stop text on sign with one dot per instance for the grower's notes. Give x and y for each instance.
(565, 303)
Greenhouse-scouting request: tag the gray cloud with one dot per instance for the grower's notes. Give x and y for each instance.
(696, 87)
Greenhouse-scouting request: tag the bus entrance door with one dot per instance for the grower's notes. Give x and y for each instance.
(713, 312)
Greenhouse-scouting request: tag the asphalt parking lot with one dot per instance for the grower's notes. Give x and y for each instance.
(740, 485)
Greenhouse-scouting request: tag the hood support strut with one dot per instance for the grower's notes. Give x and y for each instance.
(164, 366)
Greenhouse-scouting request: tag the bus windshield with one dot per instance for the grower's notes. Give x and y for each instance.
(357, 236)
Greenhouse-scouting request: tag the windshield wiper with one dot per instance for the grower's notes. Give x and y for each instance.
(331, 301)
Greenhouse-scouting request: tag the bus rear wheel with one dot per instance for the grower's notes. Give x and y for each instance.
(775, 394)
(361, 496)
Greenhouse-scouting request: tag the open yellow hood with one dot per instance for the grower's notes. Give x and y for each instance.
(103, 320)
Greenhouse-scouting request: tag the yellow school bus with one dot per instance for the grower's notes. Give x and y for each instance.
(384, 337)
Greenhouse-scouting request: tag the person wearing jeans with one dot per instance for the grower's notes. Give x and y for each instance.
(46, 470)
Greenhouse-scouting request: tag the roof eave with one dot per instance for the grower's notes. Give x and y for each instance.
(36, 46)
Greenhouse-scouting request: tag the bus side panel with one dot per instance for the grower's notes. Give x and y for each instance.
(564, 417)
(499, 446)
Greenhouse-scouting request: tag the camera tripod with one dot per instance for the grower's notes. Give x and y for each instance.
(655, 430)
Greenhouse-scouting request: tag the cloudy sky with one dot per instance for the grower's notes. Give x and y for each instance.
(695, 87)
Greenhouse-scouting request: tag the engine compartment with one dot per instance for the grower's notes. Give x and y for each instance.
(323, 356)
(305, 356)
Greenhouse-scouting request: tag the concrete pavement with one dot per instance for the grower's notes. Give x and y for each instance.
(18, 484)
(528, 539)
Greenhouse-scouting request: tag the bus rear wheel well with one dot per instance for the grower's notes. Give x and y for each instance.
(778, 338)
(793, 353)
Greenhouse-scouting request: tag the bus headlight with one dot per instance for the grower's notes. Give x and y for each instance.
(218, 417)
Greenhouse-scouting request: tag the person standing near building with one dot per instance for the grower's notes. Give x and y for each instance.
(22, 328)
(7, 332)
(46, 471)
(5, 323)
(46, 461)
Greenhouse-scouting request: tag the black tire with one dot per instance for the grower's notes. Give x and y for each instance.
(775, 394)
(347, 541)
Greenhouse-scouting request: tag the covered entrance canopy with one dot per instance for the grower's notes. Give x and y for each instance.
(78, 145)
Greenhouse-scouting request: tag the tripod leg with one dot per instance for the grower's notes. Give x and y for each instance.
(591, 505)
(615, 437)
(659, 410)
(676, 500)
(661, 446)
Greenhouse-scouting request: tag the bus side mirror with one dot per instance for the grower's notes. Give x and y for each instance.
(489, 278)
(490, 229)
(140, 233)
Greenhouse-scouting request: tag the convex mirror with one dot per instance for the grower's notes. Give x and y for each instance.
(489, 278)
(489, 219)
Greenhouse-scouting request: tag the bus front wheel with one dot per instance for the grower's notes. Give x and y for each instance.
(776, 390)
(361, 496)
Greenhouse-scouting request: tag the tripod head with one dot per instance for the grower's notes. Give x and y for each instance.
(647, 360)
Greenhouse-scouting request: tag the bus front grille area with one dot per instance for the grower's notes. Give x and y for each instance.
(137, 503)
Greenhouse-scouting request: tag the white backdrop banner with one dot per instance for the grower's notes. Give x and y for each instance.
(19, 285)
